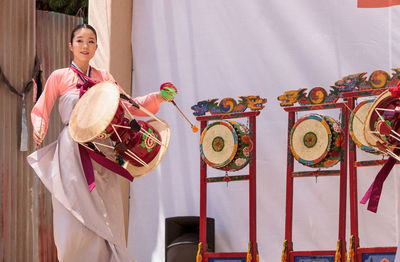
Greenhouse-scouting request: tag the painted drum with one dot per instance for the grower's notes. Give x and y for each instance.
(94, 112)
(100, 122)
(315, 141)
(357, 120)
(383, 110)
(226, 145)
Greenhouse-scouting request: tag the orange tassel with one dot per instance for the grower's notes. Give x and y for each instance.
(338, 256)
(284, 251)
(249, 256)
(199, 257)
(351, 249)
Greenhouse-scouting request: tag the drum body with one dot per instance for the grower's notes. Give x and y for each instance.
(357, 120)
(383, 108)
(226, 145)
(315, 141)
(99, 119)
(142, 146)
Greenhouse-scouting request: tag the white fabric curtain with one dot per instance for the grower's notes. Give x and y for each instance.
(229, 48)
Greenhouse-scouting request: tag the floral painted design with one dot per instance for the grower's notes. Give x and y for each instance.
(246, 139)
(147, 142)
(244, 129)
(246, 151)
(240, 161)
(336, 127)
(338, 141)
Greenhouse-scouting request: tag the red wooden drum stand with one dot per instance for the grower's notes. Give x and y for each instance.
(222, 113)
(288, 253)
(349, 88)
(356, 252)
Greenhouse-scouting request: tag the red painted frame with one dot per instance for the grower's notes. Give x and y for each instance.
(252, 189)
(290, 175)
(353, 165)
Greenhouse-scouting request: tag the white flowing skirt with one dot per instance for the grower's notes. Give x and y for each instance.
(88, 226)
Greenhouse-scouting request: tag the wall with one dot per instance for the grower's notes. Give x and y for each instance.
(26, 215)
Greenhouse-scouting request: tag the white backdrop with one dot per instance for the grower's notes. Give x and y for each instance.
(227, 48)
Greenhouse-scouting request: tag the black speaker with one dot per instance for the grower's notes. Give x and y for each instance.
(182, 238)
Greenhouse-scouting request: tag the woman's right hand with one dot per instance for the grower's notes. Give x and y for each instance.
(38, 137)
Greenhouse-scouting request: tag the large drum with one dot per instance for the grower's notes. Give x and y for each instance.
(100, 121)
(315, 141)
(357, 120)
(226, 145)
(382, 125)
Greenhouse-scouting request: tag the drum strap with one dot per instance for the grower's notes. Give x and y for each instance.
(87, 167)
(87, 154)
(373, 193)
(87, 81)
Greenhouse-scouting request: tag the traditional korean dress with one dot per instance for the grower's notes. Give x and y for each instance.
(88, 226)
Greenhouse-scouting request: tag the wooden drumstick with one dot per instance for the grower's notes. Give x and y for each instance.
(126, 96)
(345, 104)
(37, 146)
(194, 128)
(150, 113)
(167, 92)
(385, 109)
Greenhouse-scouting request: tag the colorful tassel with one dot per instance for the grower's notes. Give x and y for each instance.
(395, 90)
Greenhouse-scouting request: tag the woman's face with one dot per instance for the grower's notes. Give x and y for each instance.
(83, 45)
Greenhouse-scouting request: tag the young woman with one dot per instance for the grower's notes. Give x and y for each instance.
(88, 225)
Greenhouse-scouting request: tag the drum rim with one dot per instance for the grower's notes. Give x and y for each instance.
(382, 96)
(71, 129)
(326, 151)
(165, 133)
(232, 156)
(362, 146)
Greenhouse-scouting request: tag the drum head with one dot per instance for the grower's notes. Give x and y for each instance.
(165, 133)
(310, 139)
(94, 112)
(218, 144)
(357, 120)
